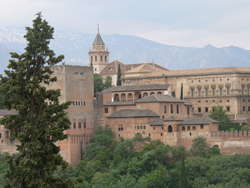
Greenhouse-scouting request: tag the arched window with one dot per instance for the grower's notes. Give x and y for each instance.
(170, 129)
(123, 97)
(183, 128)
(188, 128)
(193, 128)
(159, 92)
(116, 98)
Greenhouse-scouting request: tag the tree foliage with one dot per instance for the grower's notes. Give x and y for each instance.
(119, 75)
(219, 114)
(98, 83)
(181, 96)
(108, 82)
(38, 126)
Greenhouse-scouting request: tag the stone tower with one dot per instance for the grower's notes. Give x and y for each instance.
(99, 57)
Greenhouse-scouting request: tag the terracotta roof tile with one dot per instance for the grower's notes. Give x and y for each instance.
(159, 98)
(134, 113)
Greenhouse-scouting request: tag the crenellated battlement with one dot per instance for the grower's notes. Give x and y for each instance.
(63, 68)
(230, 134)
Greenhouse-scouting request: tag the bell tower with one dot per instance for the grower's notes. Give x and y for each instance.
(98, 57)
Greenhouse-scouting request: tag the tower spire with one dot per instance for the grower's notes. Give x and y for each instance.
(97, 27)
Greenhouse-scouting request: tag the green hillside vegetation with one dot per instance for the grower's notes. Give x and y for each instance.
(144, 163)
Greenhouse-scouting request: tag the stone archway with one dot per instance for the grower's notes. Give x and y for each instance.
(116, 98)
(123, 97)
(130, 97)
(170, 129)
(145, 94)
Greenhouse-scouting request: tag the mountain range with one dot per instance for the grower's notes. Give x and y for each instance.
(127, 49)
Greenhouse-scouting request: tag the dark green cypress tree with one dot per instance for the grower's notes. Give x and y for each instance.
(119, 75)
(181, 97)
(38, 126)
(183, 176)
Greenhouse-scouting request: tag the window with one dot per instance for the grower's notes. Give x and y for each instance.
(193, 128)
(162, 128)
(101, 58)
(171, 108)
(228, 90)
(79, 103)
(91, 59)
(95, 58)
(220, 90)
(84, 103)
(165, 109)
(0, 135)
(188, 128)
(248, 110)
(228, 108)
(120, 127)
(187, 110)
(170, 129)
(213, 91)
(76, 103)
(213, 109)
(148, 134)
(177, 109)
(144, 127)
(244, 108)
(201, 126)
(7, 134)
(199, 92)
(105, 58)
(135, 127)
(192, 92)
(161, 134)
(206, 91)
(242, 90)
(183, 128)
(106, 110)
(84, 125)
(79, 125)
(162, 117)
(154, 128)
(74, 125)
(206, 109)
(199, 109)
(140, 127)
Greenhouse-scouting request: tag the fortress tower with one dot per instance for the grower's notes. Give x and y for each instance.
(98, 57)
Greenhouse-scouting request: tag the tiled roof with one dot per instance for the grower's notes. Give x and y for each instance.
(188, 104)
(98, 39)
(4, 112)
(205, 71)
(119, 103)
(144, 68)
(159, 98)
(197, 121)
(139, 87)
(173, 118)
(133, 113)
(156, 122)
(112, 67)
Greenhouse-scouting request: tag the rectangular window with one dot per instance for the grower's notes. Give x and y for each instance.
(206, 109)
(171, 109)
(84, 125)
(144, 127)
(248, 108)
(220, 90)
(206, 90)
(7, 134)
(199, 92)
(228, 90)
(106, 110)
(192, 92)
(228, 108)
(0, 135)
(135, 127)
(79, 125)
(213, 91)
(199, 109)
(187, 110)
(244, 108)
(177, 109)
(165, 109)
(242, 90)
(201, 126)
(74, 125)
(120, 127)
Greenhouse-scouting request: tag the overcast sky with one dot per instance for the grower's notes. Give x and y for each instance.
(193, 23)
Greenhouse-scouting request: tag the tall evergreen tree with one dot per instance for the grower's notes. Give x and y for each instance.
(38, 126)
(181, 97)
(119, 75)
(183, 176)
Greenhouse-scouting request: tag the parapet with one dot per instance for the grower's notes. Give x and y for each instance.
(71, 69)
(224, 134)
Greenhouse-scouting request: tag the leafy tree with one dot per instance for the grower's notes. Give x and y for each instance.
(108, 82)
(219, 114)
(38, 126)
(119, 75)
(98, 83)
(245, 127)
(181, 96)
(183, 176)
(199, 147)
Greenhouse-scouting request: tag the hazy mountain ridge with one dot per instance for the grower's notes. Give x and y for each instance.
(128, 49)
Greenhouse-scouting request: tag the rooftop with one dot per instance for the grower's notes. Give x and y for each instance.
(119, 103)
(197, 121)
(139, 87)
(98, 39)
(159, 98)
(129, 113)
